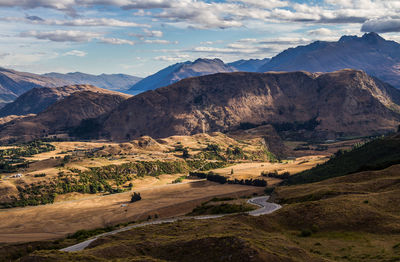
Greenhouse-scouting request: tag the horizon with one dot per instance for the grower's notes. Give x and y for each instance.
(142, 37)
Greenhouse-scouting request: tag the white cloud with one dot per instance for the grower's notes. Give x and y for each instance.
(320, 32)
(75, 53)
(62, 35)
(89, 22)
(159, 41)
(116, 41)
(176, 58)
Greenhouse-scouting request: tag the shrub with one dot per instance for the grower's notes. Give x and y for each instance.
(135, 197)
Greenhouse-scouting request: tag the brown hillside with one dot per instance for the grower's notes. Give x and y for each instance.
(38, 99)
(61, 116)
(345, 103)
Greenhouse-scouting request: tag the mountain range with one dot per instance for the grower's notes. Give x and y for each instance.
(315, 106)
(116, 82)
(14, 83)
(329, 105)
(179, 71)
(371, 53)
(251, 65)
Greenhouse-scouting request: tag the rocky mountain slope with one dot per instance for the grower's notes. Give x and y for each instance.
(370, 53)
(324, 106)
(117, 82)
(179, 71)
(14, 83)
(62, 116)
(38, 99)
(251, 65)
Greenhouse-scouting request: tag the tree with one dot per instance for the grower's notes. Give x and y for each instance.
(135, 197)
(185, 153)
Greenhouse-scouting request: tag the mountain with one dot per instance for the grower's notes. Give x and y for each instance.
(370, 53)
(323, 106)
(179, 71)
(14, 83)
(38, 99)
(62, 116)
(117, 82)
(251, 65)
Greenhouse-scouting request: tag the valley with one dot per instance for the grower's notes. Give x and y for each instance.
(200, 130)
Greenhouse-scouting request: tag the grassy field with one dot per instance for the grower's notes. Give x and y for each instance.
(63, 218)
(351, 218)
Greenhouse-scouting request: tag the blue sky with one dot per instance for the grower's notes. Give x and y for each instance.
(140, 37)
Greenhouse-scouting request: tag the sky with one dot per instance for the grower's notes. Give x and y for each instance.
(140, 37)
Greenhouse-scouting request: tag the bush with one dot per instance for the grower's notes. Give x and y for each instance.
(135, 197)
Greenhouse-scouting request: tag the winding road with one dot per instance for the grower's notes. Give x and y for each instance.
(265, 208)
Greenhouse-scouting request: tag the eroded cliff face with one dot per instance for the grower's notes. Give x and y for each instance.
(343, 103)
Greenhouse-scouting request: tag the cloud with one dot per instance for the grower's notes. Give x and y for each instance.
(159, 41)
(76, 53)
(89, 22)
(176, 58)
(62, 35)
(116, 41)
(148, 33)
(320, 32)
(381, 26)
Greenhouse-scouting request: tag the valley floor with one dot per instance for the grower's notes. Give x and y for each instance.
(63, 218)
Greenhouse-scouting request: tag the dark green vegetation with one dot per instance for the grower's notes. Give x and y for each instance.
(225, 208)
(107, 179)
(211, 176)
(374, 155)
(231, 153)
(13, 158)
(135, 197)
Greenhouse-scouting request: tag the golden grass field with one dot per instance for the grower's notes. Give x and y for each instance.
(63, 218)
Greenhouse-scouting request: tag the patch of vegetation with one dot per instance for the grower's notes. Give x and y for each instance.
(11, 159)
(275, 174)
(220, 209)
(106, 179)
(375, 155)
(211, 176)
(135, 197)
(179, 180)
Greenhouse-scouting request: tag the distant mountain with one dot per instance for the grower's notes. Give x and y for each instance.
(116, 82)
(179, 71)
(315, 106)
(251, 65)
(38, 99)
(61, 117)
(370, 53)
(14, 83)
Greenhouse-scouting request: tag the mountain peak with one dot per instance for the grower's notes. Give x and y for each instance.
(372, 37)
(346, 38)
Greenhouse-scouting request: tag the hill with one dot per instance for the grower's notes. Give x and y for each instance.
(251, 65)
(14, 83)
(116, 82)
(179, 71)
(356, 218)
(38, 99)
(371, 53)
(62, 116)
(374, 155)
(315, 106)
